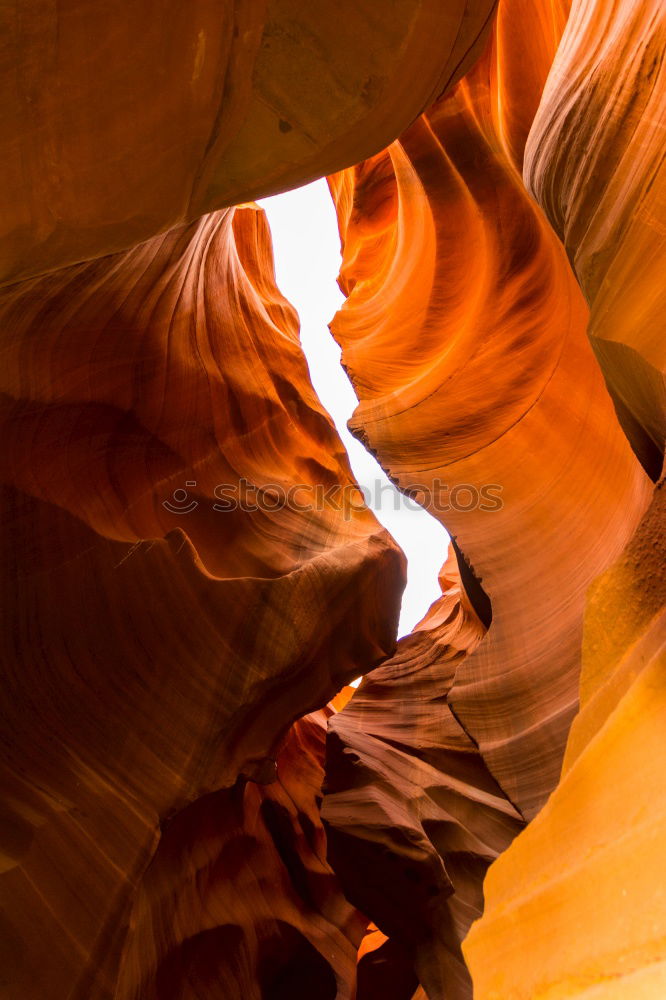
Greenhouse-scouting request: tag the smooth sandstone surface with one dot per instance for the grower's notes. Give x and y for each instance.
(121, 122)
(464, 333)
(595, 161)
(182, 817)
(413, 816)
(443, 250)
(238, 900)
(152, 656)
(576, 908)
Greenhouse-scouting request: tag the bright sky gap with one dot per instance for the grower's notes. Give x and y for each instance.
(307, 260)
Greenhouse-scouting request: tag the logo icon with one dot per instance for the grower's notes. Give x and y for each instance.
(178, 504)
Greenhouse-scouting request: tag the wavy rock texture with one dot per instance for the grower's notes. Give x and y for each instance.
(595, 161)
(152, 656)
(122, 123)
(160, 826)
(238, 900)
(576, 908)
(413, 815)
(464, 333)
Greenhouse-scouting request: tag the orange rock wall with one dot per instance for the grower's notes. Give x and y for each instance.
(464, 333)
(123, 122)
(238, 900)
(595, 161)
(162, 832)
(577, 907)
(150, 656)
(413, 816)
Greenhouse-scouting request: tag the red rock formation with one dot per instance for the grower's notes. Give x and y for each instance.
(595, 161)
(160, 828)
(576, 907)
(238, 900)
(151, 656)
(413, 815)
(121, 123)
(465, 336)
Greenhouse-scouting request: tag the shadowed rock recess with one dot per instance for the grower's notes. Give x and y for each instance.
(194, 804)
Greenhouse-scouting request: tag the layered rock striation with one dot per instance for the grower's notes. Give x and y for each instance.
(158, 641)
(464, 333)
(595, 161)
(188, 573)
(413, 816)
(238, 899)
(576, 907)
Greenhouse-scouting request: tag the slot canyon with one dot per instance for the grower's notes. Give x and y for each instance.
(196, 803)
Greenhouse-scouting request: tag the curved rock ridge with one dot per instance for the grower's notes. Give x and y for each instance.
(576, 907)
(188, 571)
(414, 817)
(464, 333)
(121, 124)
(595, 161)
(152, 655)
(238, 900)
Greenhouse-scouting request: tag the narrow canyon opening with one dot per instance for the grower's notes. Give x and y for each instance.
(306, 245)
